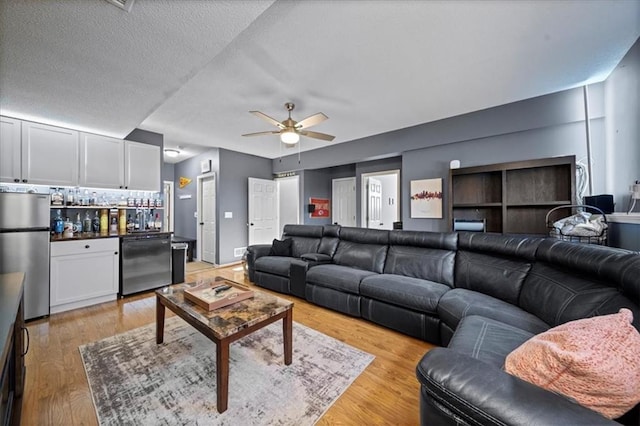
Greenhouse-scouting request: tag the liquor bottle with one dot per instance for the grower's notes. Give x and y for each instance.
(77, 227)
(104, 221)
(136, 224)
(158, 223)
(129, 223)
(95, 225)
(87, 225)
(57, 199)
(86, 200)
(58, 223)
(70, 197)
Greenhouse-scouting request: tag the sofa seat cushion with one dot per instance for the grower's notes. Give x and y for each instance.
(277, 265)
(459, 303)
(411, 293)
(337, 277)
(487, 340)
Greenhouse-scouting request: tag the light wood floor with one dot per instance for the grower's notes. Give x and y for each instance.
(57, 392)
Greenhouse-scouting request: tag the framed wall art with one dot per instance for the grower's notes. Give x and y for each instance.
(426, 198)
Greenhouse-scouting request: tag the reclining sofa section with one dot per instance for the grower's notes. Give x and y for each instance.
(480, 295)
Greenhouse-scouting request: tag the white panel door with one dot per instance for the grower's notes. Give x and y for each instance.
(263, 211)
(208, 219)
(10, 150)
(344, 201)
(374, 203)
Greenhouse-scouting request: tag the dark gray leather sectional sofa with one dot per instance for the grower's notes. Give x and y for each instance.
(480, 295)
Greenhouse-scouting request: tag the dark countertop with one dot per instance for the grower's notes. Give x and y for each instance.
(11, 290)
(93, 236)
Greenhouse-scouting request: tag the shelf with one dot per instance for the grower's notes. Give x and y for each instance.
(475, 205)
(105, 207)
(540, 204)
(512, 197)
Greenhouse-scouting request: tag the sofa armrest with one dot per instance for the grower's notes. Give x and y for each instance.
(465, 390)
(254, 252)
(316, 258)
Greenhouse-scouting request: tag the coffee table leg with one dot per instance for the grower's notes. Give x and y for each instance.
(222, 374)
(159, 321)
(287, 330)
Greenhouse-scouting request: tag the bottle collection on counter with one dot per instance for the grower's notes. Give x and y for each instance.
(104, 214)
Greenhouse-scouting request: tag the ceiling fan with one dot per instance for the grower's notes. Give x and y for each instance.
(291, 130)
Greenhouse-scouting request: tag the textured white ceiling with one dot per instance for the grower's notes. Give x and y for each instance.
(192, 70)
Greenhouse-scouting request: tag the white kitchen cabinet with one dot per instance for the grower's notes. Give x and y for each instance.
(10, 136)
(142, 166)
(83, 273)
(49, 155)
(101, 161)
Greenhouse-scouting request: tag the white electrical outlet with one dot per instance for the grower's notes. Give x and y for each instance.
(228, 215)
(195, 214)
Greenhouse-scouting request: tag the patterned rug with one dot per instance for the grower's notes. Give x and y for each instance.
(135, 381)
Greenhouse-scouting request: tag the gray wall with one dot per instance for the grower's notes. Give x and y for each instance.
(622, 106)
(185, 224)
(232, 169)
(315, 184)
(232, 196)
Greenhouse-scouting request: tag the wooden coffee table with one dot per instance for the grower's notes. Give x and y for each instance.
(225, 325)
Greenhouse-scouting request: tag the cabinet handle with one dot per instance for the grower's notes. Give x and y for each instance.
(26, 349)
(115, 252)
(16, 180)
(87, 246)
(24, 181)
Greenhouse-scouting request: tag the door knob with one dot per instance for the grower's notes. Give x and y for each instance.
(251, 224)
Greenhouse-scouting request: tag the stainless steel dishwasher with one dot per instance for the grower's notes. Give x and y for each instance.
(145, 262)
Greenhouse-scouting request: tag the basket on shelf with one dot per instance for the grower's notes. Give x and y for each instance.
(586, 234)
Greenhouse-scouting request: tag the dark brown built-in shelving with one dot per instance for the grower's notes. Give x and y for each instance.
(512, 197)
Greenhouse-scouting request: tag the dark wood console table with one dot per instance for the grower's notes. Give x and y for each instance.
(12, 344)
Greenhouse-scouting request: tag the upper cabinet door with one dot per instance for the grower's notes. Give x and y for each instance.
(142, 166)
(101, 161)
(49, 155)
(10, 150)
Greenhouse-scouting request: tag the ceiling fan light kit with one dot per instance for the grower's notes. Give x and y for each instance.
(289, 137)
(291, 130)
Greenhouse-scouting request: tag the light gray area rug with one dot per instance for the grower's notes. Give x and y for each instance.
(134, 381)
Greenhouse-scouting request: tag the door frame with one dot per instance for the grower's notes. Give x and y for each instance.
(169, 208)
(363, 194)
(199, 246)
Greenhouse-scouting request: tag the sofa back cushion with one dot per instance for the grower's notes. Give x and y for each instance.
(330, 240)
(362, 248)
(304, 238)
(570, 281)
(425, 255)
(494, 264)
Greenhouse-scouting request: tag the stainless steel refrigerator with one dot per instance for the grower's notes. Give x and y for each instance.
(24, 246)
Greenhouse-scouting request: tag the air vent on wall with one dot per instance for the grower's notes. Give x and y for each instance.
(122, 4)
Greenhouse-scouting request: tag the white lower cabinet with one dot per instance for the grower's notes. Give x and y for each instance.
(83, 273)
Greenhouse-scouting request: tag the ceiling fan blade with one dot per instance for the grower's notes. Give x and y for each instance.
(317, 135)
(312, 120)
(266, 118)
(271, 132)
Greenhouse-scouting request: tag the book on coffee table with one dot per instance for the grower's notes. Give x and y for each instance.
(217, 294)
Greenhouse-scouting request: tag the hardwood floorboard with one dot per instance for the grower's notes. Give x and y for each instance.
(57, 391)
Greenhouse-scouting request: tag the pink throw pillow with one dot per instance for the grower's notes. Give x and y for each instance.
(595, 361)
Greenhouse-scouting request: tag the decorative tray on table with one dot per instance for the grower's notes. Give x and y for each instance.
(217, 294)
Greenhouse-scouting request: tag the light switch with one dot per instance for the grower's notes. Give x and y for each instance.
(195, 214)
(228, 215)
